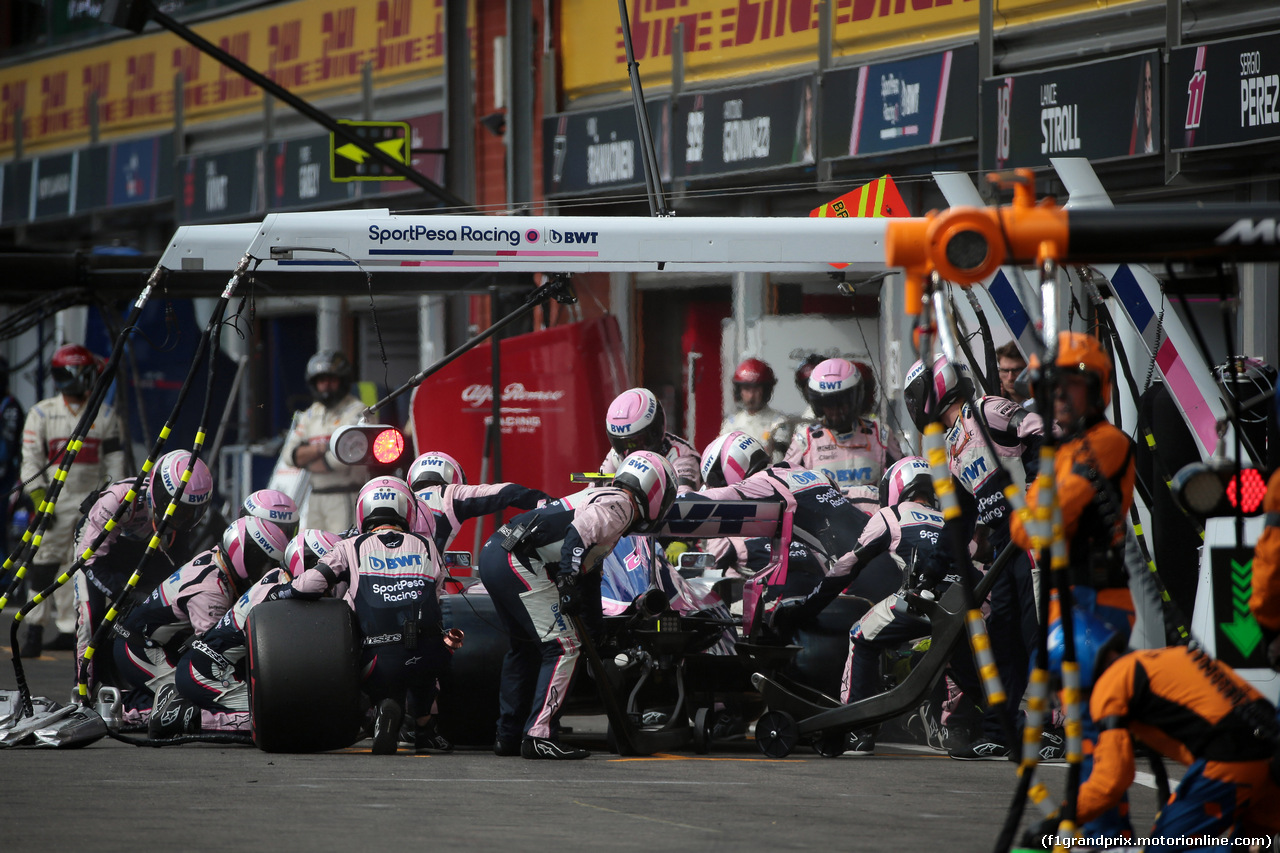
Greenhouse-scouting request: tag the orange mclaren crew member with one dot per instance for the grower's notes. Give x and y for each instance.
(1095, 472)
(1187, 707)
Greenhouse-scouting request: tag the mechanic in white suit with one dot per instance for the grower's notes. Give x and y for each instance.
(333, 485)
(753, 384)
(99, 461)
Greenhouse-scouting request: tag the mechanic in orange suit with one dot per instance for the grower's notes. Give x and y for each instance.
(1094, 467)
(1188, 707)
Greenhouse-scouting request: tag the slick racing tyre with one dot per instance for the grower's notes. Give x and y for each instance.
(303, 675)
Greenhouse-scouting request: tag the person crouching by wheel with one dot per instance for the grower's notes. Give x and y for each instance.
(540, 568)
(153, 636)
(211, 683)
(392, 578)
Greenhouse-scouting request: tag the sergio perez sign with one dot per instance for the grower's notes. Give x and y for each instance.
(1224, 93)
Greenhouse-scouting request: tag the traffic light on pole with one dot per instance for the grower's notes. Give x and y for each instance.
(1216, 488)
(367, 444)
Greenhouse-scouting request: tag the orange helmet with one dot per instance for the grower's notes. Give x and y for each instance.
(1081, 353)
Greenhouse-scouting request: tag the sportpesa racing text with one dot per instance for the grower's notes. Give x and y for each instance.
(470, 234)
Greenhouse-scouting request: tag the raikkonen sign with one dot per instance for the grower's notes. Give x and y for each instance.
(726, 38)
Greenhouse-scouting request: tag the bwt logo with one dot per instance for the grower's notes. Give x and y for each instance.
(638, 465)
(828, 386)
(281, 514)
(978, 466)
(620, 429)
(385, 496)
(555, 614)
(571, 237)
(402, 562)
(853, 475)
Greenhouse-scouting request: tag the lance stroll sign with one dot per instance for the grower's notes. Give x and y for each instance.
(1100, 110)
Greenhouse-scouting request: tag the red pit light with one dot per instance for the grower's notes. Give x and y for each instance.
(1247, 491)
(388, 446)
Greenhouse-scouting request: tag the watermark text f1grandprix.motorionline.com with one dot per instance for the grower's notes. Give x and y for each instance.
(1176, 841)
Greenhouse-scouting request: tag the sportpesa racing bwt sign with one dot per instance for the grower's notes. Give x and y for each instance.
(479, 240)
(1099, 110)
(1224, 93)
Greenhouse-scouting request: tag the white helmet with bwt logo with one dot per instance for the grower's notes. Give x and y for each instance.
(636, 421)
(651, 480)
(274, 506)
(167, 477)
(386, 500)
(732, 458)
(249, 547)
(435, 468)
(306, 549)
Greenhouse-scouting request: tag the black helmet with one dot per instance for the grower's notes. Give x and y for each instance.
(329, 363)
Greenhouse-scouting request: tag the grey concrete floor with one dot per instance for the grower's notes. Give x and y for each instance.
(111, 796)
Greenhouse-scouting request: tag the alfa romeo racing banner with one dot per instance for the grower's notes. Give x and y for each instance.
(1100, 110)
(550, 415)
(745, 129)
(907, 103)
(1224, 92)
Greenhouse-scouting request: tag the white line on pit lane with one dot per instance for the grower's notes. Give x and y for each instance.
(1141, 777)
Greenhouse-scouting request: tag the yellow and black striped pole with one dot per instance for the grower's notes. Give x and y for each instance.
(25, 553)
(212, 334)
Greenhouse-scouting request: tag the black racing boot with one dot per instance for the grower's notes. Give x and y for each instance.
(545, 748)
(427, 738)
(386, 727)
(172, 716)
(506, 748)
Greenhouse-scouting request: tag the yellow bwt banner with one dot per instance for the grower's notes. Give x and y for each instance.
(314, 48)
(725, 38)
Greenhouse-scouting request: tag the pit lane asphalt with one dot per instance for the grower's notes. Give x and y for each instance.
(112, 796)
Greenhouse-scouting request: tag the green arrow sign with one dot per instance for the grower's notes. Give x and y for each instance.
(1243, 630)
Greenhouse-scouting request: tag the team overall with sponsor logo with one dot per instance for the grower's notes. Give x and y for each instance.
(104, 574)
(518, 566)
(392, 580)
(824, 520)
(914, 533)
(1013, 622)
(190, 601)
(854, 458)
